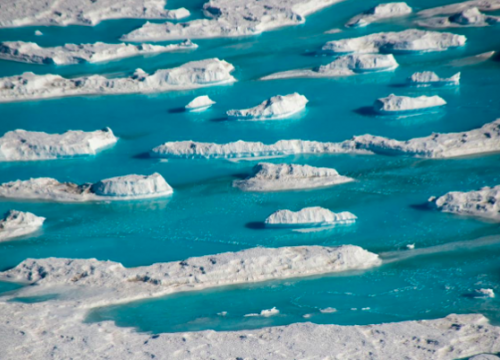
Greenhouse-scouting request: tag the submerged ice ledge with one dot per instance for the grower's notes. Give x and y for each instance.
(17, 223)
(309, 217)
(277, 107)
(380, 12)
(195, 74)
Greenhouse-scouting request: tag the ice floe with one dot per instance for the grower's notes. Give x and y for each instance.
(265, 313)
(17, 13)
(281, 177)
(429, 78)
(481, 5)
(32, 53)
(277, 107)
(484, 293)
(311, 216)
(199, 103)
(481, 203)
(38, 33)
(22, 145)
(395, 42)
(229, 18)
(470, 17)
(127, 187)
(195, 74)
(380, 12)
(401, 104)
(17, 223)
(343, 66)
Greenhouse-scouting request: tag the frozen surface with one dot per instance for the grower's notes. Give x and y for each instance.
(395, 104)
(280, 177)
(380, 12)
(469, 17)
(195, 74)
(17, 223)
(481, 5)
(311, 216)
(22, 145)
(429, 78)
(394, 42)
(32, 53)
(277, 107)
(200, 103)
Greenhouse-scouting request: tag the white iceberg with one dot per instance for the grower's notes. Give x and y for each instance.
(282, 177)
(394, 42)
(265, 313)
(129, 187)
(470, 17)
(31, 53)
(191, 75)
(397, 104)
(200, 103)
(484, 293)
(481, 203)
(429, 78)
(343, 66)
(38, 33)
(380, 12)
(277, 107)
(311, 216)
(481, 5)
(17, 223)
(22, 145)
(17, 13)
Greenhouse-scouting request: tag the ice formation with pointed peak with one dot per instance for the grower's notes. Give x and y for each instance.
(129, 187)
(32, 53)
(481, 203)
(276, 107)
(429, 78)
(470, 17)
(411, 40)
(17, 223)
(22, 145)
(343, 66)
(310, 216)
(396, 104)
(380, 12)
(18, 13)
(232, 18)
(282, 177)
(191, 75)
(199, 103)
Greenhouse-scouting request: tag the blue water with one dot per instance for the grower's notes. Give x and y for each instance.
(207, 216)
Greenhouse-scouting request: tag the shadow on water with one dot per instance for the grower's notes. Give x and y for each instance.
(220, 119)
(255, 225)
(176, 110)
(365, 111)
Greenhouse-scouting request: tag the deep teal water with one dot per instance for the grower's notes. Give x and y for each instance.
(206, 215)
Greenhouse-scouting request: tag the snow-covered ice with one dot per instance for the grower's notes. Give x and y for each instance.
(380, 12)
(481, 5)
(32, 53)
(310, 216)
(194, 74)
(343, 66)
(17, 223)
(394, 42)
(470, 17)
(282, 177)
(397, 104)
(265, 313)
(277, 107)
(127, 187)
(429, 78)
(38, 33)
(484, 293)
(199, 103)
(22, 145)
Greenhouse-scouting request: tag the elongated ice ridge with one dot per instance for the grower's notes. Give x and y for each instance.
(22, 145)
(229, 18)
(277, 107)
(481, 5)
(477, 141)
(311, 216)
(380, 12)
(397, 104)
(470, 17)
(393, 42)
(17, 223)
(282, 177)
(348, 65)
(199, 103)
(480, 203)
(127, 187)
(32, 53)
(429, 78)
(17, 13)
(195, 74)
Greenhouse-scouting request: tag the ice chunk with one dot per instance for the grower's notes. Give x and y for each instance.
(22, 145)
(404, 41)
(485, 293)
(482, 5)
(265, 313)
(328, 310)
(133, 186)
(200, 103)
(38, 33)
(277, 107)
(311, 216)
(395, 104)
(280, 177)
(17, 223)
(470, 17)
(429, 78)
(380, 12)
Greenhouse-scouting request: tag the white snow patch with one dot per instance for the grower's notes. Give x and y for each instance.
(328, 310)
(277, 107)
(17, 223)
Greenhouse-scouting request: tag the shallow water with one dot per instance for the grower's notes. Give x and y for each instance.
(206, 215)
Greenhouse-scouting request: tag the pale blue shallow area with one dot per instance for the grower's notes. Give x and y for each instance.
(207, 216)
